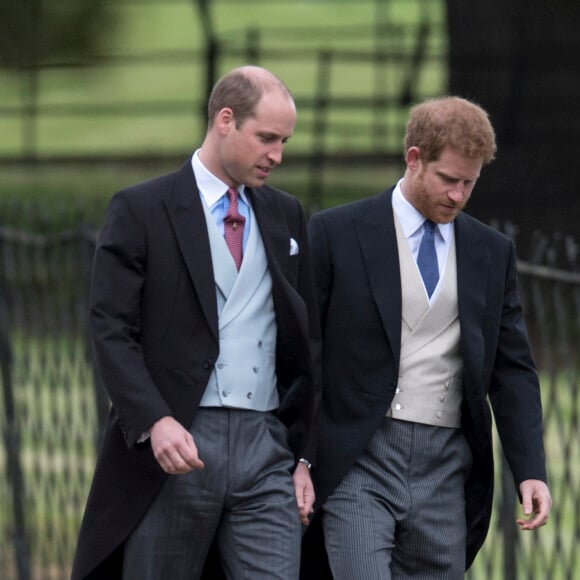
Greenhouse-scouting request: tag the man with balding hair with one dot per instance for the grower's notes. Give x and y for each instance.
(203, 318)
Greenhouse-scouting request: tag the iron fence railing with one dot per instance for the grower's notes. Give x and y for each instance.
(550, 291)
(52, 407)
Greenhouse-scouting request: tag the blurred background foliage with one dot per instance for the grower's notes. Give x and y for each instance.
(97, 95)
(78, 124)
(33, 32)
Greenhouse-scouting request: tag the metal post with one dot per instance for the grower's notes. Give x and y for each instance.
(211, 52)
(319, 130)
(12, 446)
(507, 522)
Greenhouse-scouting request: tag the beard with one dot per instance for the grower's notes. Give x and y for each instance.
(426, 203)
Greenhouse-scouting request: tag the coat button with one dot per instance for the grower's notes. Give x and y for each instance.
(249, 395)
(207, 364)
(255, 369)
(224, 393)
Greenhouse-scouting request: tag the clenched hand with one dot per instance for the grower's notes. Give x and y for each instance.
(174, 447)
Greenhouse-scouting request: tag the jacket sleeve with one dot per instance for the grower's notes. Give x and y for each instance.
(514, 387)
(115, 317)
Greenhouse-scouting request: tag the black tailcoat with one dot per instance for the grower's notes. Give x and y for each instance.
(155, 326)
(356, 267)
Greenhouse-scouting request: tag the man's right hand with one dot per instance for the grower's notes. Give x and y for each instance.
(174, 447)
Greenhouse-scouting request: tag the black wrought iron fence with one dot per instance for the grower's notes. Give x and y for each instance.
(51, 408)
(550, 290)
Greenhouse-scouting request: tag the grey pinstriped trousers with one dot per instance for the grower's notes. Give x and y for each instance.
(244, 497)
(400, 511)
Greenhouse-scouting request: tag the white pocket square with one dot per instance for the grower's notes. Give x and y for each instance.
(293, 247)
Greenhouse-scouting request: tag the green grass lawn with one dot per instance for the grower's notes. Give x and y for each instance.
(151, 98)
(150, 70)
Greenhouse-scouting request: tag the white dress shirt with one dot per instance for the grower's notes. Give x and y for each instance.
(213, 193)
(412, 222)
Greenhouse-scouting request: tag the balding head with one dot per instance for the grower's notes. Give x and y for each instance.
(241, 90)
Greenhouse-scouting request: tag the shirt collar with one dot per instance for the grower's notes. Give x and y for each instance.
(211, 188)
(412, 220)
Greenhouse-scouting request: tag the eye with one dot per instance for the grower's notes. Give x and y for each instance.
(449, 180)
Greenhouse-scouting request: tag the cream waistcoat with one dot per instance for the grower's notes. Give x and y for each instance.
(430, 385)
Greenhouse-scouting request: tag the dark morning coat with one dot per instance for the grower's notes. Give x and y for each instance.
(356, 267)
(155, 326)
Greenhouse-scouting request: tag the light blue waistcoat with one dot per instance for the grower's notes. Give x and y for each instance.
(244, 374)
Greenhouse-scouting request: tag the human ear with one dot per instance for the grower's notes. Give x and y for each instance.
(412, 158)
(225, 120)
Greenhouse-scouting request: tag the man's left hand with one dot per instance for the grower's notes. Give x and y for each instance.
(536, 503)
(304, 492)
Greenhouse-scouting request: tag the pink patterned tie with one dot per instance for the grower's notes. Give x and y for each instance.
(234, 227)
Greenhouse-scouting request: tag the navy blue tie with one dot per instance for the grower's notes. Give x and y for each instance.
(427, 258)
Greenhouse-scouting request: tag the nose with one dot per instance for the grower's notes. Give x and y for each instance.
(456, 193)
(275, 154)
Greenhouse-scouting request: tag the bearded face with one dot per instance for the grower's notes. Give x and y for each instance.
(440, 189)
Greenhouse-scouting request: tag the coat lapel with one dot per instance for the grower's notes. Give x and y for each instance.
(224, 267)
(186, 214)
(377, 237)
(473, 263)
(273, 230)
